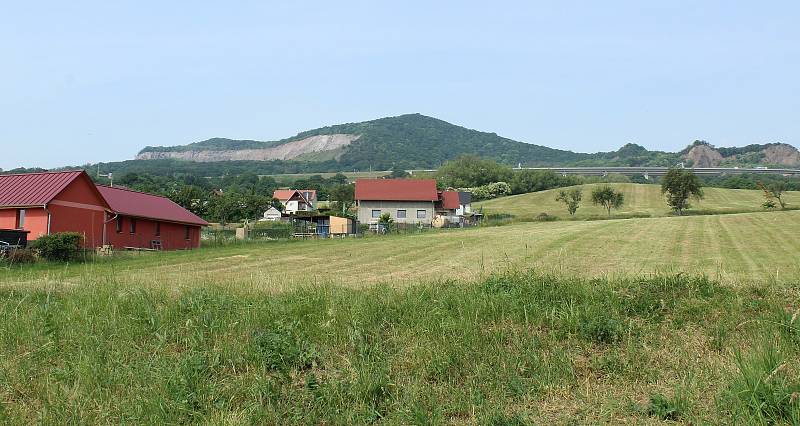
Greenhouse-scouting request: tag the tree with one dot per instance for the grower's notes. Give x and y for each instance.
(608, 197)
(524, 181)
(679, 185)
(343, 197)
(385, 223)
(470, 171)
(571, 198)
(192, 198)
(772, 192)
(398, 173)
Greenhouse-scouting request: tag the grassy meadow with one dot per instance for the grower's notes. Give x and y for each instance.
(735, 248)
(640, 199)
(511, 349)
(694, 320)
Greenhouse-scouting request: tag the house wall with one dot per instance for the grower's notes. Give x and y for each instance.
(172, 234)
(35, 221)
(78, 208)
(85, 221)
(365, 211)
(341, 225)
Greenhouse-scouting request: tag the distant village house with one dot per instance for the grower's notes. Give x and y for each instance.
(409, 201)
(296, 200)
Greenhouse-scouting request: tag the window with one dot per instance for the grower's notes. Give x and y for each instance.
(20, 218)
(421, 214)
(376, 214)
(187, 232)
(158, 229)
(119, 225)
(133, 226)
(401, 214)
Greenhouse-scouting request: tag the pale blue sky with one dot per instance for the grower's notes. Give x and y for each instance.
(88, 81)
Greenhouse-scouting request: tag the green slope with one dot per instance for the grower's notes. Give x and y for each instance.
(411, 141)
(639, 199)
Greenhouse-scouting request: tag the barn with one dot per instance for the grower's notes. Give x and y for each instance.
(45, 203)
(52, 202)
(142, 220)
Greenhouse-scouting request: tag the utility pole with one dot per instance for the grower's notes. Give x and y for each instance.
(109, 175)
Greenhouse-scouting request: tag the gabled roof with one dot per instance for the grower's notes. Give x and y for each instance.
(147, 206)
(396, 190)
(450, 200)
(35, 189)
(286, 194)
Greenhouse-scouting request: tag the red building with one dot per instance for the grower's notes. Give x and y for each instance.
(46, 203)
(144, 220)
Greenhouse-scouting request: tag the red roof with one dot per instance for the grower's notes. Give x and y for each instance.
(450, 200)
(396, 190)
(34, 189)
(287, 194)
(139, 204)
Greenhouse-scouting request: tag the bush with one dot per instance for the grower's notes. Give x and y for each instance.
(59, 247)
(492, 190)
(544, 217)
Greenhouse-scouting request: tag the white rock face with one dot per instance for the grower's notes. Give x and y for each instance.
(286, 151)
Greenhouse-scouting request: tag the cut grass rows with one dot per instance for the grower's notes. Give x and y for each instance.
(639, 199)
(753, 247)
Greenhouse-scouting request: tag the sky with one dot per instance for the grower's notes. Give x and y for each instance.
(82, 81)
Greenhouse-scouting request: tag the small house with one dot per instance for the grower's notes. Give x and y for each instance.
(296, 200)
(142, 220)
(271, 215)
(323, 226)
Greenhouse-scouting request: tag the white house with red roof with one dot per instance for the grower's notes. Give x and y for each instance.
(410, 201)
(296, 200)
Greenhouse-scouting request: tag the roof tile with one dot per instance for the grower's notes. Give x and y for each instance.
(396, 190)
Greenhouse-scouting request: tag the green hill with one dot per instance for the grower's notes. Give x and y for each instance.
(639, 200)
(411, 141)
(415, 141)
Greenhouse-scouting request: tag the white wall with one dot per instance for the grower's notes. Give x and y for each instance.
(365, 211)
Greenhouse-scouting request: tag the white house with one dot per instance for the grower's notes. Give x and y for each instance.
(271, 215)
(296, 200)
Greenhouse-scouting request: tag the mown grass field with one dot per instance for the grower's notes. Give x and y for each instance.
(639, 199)
(568, 322)
(750, 247)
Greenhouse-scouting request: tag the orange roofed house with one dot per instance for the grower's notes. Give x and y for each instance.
(52, 202)
(296, 200)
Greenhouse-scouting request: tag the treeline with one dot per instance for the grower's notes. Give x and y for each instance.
(231, 198)
(489, 179)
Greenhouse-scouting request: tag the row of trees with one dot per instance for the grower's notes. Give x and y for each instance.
(677, 185)
(487, 178)
(234, 198)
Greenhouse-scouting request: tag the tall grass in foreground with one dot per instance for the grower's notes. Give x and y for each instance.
(517, 348)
